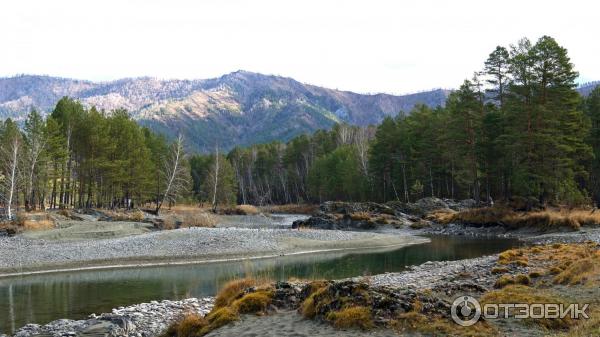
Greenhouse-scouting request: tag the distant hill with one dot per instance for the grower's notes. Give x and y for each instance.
(585, 88)
(239, 108)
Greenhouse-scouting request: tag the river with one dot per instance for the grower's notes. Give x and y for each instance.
(43, 298)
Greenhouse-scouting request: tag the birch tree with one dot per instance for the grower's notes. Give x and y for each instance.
(175, 173)
(11, 147)
(35, 143)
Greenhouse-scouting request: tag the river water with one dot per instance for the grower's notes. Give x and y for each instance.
(43, 298)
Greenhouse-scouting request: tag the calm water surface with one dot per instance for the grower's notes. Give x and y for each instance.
(43, 298)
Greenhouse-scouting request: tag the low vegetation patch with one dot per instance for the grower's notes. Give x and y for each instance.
(291, 209)
(33, 221)
(517, 293)
(187, 219)
(352, 317)
(544, 219)
(240, 210)
(124, 215)
(243, 296)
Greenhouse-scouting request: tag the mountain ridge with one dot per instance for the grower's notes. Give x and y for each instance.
(238, 108)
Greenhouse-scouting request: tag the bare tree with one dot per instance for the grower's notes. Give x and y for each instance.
(175, 173)
(216, 179)
(35, 140)
(9, 182)
(362, 139)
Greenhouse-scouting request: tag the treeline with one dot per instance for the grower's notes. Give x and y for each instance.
(83, 158)
(517, 128)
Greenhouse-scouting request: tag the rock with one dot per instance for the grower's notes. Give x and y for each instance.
(354, 207)
(316, 222)
(138, 320)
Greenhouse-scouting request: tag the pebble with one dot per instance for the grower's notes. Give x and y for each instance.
(144, 319)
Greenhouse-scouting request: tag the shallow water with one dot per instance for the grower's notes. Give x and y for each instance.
(43, 298)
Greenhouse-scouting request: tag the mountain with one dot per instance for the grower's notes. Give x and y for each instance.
(586, 88)
(240, 108)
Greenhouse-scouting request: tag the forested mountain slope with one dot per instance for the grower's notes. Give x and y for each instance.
(239, 108)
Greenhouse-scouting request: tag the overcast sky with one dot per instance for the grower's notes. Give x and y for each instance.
(364, 46)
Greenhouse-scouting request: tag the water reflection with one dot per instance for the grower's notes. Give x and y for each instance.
(43, 298)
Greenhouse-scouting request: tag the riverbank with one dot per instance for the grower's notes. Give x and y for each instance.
(415, 302)
(418, 302)
(22, 255)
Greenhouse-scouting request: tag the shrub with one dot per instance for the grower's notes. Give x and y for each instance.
(352, 317)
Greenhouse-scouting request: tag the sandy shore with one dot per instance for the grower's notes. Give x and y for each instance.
(290, 324)
(44, 252)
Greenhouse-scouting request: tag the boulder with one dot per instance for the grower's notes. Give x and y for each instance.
(317, 222)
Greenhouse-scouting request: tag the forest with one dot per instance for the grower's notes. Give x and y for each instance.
(518, 127)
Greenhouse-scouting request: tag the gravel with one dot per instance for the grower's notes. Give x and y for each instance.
(141, 320)
(22, 254)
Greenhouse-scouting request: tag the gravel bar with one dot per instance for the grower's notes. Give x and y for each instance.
(20, 254)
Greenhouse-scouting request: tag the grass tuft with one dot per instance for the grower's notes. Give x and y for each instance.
(352, 317)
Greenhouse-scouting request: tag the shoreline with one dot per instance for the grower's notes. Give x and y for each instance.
(183, 261)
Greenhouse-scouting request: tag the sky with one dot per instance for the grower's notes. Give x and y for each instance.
(365, 46)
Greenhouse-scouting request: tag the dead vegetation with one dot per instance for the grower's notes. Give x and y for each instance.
(543, 219)
(291, 209)
(240, 210)
(517, 293)
(124, 215)
(189, 218)
(33, 221)
(243, 296)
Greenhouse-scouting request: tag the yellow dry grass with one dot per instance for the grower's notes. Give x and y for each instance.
(291, 209)
(34, 221)
(562, 218)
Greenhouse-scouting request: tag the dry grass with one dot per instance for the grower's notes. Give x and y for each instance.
(247, 210)
(122, 215)
(360, 216)
(199, 220)
(585, 327)
(291, 209)
(524, 294)
(425, 325)
(256, 302)
(352, 317)
(220, 317)
(580, 271)
(564, 218)
(189, 218)
(243, 296)
(240, 210)
(34, 221)
(232, 291)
